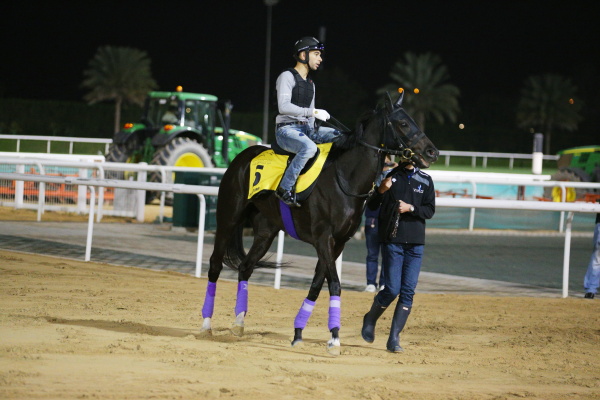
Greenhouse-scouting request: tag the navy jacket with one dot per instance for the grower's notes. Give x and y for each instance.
(413, 187)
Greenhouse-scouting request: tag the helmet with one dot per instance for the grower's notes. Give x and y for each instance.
(306, 44)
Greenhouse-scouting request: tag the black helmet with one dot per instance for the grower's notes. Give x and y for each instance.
(306, 44)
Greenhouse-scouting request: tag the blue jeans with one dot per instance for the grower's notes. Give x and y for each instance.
(402, 265)
(373, 247)
(300, 139)
(591, 281)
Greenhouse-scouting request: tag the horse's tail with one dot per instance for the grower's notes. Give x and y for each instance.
(235, 254)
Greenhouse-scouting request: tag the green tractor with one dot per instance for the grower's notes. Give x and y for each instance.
(577, 164)
(180, 129)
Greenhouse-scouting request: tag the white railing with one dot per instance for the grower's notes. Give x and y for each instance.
(475, 178)
(143, 186)
(485, 155)
(141, 169)
(571, 208)
(50, 139)
(447, 154)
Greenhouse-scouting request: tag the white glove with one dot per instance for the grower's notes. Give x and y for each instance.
(321, 114)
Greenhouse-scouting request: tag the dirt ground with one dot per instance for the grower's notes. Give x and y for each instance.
(72, 330)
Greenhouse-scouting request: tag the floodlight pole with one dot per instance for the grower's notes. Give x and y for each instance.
(265, 135)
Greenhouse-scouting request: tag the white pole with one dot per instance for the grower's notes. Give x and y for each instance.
(81, 192)
(141, 195)
(100, 195)
(565, 288)
(88, 245)
(19, 187)
(280, 238)
(201, 221)
(41, 194)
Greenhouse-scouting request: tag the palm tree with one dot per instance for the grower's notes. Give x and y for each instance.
(426, 77)
(121, 74)
(548, 102)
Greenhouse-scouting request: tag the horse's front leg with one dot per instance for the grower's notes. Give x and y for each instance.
(335, 315)
(308, 304)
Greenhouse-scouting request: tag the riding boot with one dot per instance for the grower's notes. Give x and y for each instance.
(370, 319)
(398, 321)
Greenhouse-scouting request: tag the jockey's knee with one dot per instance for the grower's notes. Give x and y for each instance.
(309, 150)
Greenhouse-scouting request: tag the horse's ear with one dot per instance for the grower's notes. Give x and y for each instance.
(389, 104)
(400, 98)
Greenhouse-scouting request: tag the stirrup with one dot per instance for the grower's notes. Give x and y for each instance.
(287, 197)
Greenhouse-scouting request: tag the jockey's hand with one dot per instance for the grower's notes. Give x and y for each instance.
(385, 185)
(321, 114)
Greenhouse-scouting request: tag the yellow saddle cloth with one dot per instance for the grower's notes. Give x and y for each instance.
(267, 168)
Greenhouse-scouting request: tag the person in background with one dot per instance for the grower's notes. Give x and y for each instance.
(407, 198)
(295, 124)
(591, 281)
(170, 116)
(372, 239)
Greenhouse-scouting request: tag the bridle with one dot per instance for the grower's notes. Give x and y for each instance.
(404, 150)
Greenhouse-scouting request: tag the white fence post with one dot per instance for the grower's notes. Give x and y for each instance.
(141, 195)
(567, 256)
(280, 239)
(19, 186)
(82, 193)
(88, 243)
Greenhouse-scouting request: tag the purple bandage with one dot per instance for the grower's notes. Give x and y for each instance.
(335, 311)
(241, 304)
(209, 300)
(304, 314)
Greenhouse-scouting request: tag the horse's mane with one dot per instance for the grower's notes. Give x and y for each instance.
(350, 139)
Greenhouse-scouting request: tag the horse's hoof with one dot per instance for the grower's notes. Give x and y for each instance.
(334, 347)
(206, 329)
(237, 330)
(297, 342)
(238, 325)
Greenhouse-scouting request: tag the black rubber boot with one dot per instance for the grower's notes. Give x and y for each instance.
(400, 316)
(370, 319)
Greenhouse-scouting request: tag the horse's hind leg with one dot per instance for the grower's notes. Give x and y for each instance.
(229, 233)
(264, 234)
(329, 254)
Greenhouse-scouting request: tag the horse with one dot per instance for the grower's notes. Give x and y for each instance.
(327, 219)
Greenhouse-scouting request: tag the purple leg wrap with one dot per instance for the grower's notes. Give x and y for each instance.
(334, 312)
(241, 304)
(304, 314)
(209, 300)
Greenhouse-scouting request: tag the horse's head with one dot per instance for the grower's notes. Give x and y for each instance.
(402, 136)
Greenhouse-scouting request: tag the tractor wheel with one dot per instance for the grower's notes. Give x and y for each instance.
(555, 193)
(121, 153)
(180, 152)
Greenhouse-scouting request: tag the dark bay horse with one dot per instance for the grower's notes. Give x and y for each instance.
(328, 218)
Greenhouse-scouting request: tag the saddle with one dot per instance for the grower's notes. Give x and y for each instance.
(267, 168)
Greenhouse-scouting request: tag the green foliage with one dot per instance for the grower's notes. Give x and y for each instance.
(428, 93)
(548, 103)
(119, 74)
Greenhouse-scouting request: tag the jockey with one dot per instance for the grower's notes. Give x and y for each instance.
(295, 124)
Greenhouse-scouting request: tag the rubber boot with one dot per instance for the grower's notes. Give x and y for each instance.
(370, 319)
(398, 321)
